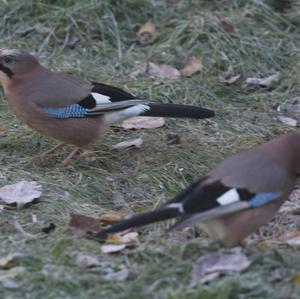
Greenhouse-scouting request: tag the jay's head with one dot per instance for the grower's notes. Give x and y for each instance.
(14, 62)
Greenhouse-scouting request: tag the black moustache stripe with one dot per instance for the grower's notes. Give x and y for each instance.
(6, 70)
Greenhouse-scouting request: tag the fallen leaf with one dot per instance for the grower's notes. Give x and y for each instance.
(248, 13)
(193, 65)
(143, 122)
(42, 29)
(211, 266)
(163, 71)
(4, 261)
(141, 68)
(20, 193)
(291, 238)
(81, 225)
(86, 261)
(227, 26)
(2, 130)
(120, 275)
(73, 41)
(230, 79)
(264, 245)
(296, 278)
(290, 106)
(111, 217)
(263, 82)
(288, 120)
(147, 33)
(291, 206)
(108, 248)
(128, 238)
(129, 143)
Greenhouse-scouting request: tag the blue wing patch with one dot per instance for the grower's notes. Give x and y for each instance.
(74, 110)
(261, 199)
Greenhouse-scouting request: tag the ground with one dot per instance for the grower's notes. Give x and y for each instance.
(264, 41)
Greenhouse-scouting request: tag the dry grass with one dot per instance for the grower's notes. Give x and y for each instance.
(264, 42)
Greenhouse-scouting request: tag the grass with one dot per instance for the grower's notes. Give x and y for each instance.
(265, 41)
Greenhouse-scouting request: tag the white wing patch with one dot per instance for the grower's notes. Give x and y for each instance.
(178, 206)
(228, 197)
(100, 98)
(120, 115)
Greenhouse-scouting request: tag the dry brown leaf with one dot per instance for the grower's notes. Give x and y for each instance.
(227, 26)
(143, 122)
(296, 278)
(73, 41)
(6, 260)
(111, 217)
(210, 266)
(108, 248)
(263, 82)
(20, 193)
(137, 142)
(81, 225)
(86, 261)
(141, 68)
(193, 65)
(120, 275)
(2, 130)
(288, 120)
(163, 71)
(42, 29)
(129, 238)
(291, 238)
(147, 33)
(230, 79)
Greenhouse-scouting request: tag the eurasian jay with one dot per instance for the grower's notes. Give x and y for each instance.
(69, 109)
(238, 196)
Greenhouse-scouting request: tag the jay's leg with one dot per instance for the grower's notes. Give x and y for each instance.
(53, 149)
(67, 160)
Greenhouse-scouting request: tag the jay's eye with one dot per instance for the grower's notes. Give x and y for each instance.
(8, 59)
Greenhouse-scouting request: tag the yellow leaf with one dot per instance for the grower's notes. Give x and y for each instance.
(111, 217)
(264, 245)
(147, 33)
(193, 65)
(117, 239)
(296, 278)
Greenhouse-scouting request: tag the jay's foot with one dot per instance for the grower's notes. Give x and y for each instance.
(74, 152)
(53, 149)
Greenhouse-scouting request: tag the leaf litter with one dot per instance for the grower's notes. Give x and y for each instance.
(133, 143)
(193, 65)
(211, 266)
(20, 193)
(147, 33)
(84, 261)
(264, 82)
(142, 122)
(163, 71)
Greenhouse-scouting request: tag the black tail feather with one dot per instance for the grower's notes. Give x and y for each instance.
(176, 110)
(140, 220)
